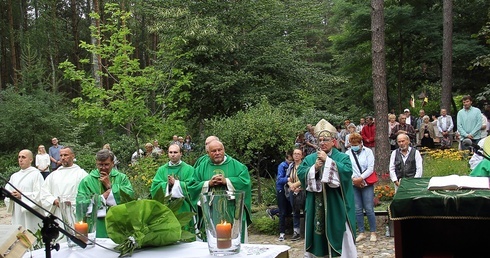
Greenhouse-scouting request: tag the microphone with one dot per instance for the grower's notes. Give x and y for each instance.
(468, 143)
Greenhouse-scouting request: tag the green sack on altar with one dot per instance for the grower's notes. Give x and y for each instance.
(142, 223)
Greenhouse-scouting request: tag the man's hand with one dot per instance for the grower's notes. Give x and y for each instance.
(171, 180)
(397, 182)
(16, 194)
(217, 180)
(105, 180)
(56, 203)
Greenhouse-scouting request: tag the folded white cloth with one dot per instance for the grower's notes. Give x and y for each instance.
(330, 176)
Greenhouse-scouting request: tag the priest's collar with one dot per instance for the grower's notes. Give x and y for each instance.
(224, 159)
(174, 164)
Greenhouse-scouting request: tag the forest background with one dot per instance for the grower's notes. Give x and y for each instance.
(253, 73)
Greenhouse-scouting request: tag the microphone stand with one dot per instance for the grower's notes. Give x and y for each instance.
(50, 229)
(482, 154)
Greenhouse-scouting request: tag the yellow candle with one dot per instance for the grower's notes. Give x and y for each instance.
(82, 229)
(223, 235)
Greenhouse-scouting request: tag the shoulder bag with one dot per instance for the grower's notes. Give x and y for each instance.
(371, 179)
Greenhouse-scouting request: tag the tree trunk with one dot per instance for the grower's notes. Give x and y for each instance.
(447, 55)
(96, 58)
(13, 54)
(380, 94)
(74, 33)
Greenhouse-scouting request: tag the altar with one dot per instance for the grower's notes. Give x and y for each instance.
(439, 223)
(181, 250)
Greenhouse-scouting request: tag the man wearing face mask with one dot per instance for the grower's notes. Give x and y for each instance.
(362, 160)
(405, 162)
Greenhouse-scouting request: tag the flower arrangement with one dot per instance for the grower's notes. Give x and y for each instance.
(384, 192)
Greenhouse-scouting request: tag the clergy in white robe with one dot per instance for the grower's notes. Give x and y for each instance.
(62, 182)
(28, 181)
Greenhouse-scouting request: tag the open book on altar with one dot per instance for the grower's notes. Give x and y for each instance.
(455, 182)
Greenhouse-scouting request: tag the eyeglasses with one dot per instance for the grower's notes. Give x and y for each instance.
(325, 140)
(103, 165)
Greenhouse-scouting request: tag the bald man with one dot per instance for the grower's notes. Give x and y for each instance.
(27, 180)
(222, 172)
(205, 156)
(405, 162)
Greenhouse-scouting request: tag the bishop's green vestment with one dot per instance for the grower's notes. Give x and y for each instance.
(328, 215)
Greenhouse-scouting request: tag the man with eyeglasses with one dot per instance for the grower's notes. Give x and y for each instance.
(329, 209)
(61, 182)
(173, 178)
(108, 183)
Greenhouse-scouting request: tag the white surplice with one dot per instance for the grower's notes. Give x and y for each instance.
(29, 182)
(62, 182)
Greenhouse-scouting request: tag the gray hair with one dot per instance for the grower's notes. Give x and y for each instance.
(104, 154)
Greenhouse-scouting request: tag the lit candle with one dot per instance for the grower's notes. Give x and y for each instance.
(82, 229)
(223, 235)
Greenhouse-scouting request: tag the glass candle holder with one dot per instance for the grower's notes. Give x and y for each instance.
(223, 211)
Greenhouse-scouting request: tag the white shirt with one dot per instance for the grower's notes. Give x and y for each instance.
(476, 159)
(29, 182)
(366, 161)
(42, 161)
(418, 164)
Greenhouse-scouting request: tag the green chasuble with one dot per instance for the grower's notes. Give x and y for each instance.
(182, 172)
(329, 210)
(232, 170)
(91, 185)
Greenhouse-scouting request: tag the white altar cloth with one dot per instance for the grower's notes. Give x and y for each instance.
(181, 250)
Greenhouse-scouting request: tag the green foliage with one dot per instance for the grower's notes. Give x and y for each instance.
(142, 173)
(126, 102)
(264, 225)
(31, 119)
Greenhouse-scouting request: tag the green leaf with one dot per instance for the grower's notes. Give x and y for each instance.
(185, 217)
(187, 236)
(160, 196)
(175, 204)
(125, 197)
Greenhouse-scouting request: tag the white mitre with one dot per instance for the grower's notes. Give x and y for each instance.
(325, 129)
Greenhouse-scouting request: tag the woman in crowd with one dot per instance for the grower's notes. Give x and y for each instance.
(42, 161)
(426, 133)
(296, 193)
(188, 145)
(362, 160)
(351, 128)
(391, 124)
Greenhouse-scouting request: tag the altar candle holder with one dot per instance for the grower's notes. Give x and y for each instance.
(223, 211)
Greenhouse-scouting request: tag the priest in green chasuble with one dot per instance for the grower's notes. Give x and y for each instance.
(222, 172)
(108, 183)
(329, 208)
(173, 179)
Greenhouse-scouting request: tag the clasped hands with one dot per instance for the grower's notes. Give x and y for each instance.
(358, 182)
(217, 180)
